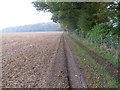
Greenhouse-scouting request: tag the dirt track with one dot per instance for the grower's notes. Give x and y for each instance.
(38, 60)
(108, 66)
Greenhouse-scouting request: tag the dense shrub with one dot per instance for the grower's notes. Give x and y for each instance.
(102, 33)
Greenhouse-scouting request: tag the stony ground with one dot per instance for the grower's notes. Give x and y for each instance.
(27, 59)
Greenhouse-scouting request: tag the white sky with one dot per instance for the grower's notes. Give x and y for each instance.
(20, 12)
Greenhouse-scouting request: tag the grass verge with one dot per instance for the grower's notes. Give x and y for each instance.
(95, 75)
(108, 55)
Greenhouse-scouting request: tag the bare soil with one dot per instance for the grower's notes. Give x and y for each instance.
(38, 60)
(27, 58)
(58, 78)
(75, 76)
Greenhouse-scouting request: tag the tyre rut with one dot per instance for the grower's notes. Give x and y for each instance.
(110, 68)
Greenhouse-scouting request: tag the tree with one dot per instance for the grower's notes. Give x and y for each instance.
(85, 17)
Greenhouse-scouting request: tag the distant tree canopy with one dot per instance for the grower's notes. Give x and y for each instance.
(87, 18)
(82, 15)
(33, 27)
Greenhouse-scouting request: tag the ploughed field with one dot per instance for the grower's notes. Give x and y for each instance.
(28, 60)
(52, 60)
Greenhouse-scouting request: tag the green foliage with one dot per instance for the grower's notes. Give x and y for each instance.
(104, 33)
(111, 56)
(95, 21)
(93, 67)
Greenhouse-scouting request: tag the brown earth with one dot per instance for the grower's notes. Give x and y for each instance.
(75, 76)
(59, 74)
(38, 60)
(42, 60)
(27, 58)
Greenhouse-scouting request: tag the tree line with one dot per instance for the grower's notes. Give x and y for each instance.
(33, 27)
(96, 21)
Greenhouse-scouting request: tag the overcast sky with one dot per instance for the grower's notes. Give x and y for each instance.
(20, 12)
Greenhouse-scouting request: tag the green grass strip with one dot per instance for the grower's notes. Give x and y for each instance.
(108, 55)
(93, 68)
